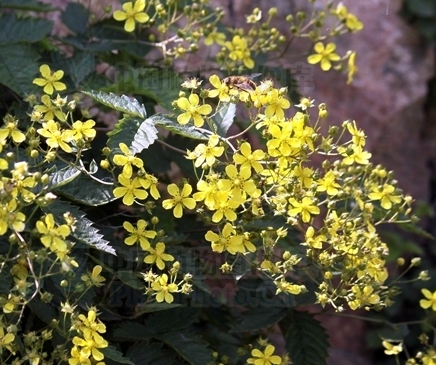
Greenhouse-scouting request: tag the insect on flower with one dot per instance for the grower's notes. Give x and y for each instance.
(243, 82)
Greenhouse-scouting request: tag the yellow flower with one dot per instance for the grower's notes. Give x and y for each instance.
(192, 110)
(430, 301)
(88, 346)
(6, 340)
(264, 358)
(355, 155)
(94, 278)
(51, 236)
(324, 55)
(221, 89)
(11, 130)
(84, 131)
(239, 51)
(132, 13)
(352, 68)
(164, 289)
(11, 217)
(207, 153)
(55, 136)
(306, 207)
(239, 183)
(179, 200)
(246, 158)
(127, 160)
(312, 241)
(50, 80)
(358, 136)
(385, 195)
(225, 206)
(138, 234)
(363, 297)
(150, 182)
(215, 37)
(129, 190)
(392, 349)
(227, 240)
(276, 105)
(49, 109)
(78, 357)
(158, 256)
(205, 191)
(328, 184)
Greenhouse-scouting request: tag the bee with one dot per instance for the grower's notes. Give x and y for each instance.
(244, 82)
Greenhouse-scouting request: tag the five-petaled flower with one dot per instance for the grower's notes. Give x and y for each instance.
(164, 289)
(50, 80)
(192, 110)
(83, 131)
(306, 207)
(139, 234)
(49, 109)
(227, 240)
(324, 54)
(127, 159)
(180, 199)
(266, 357)
(158, 256)
(133, 12)
(129, 190)
(239, 51)
(55, 136)
(51, 236)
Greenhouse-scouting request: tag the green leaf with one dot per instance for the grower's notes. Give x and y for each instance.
(306, 340)
(121, 103)
(132, 331)
(30, 5)
(156, 307)
(75, 17)
(31, 30)
(84, 231)
(422, 8)
(188, 346)
(261, 317)
(160, 85)
(173, 125)
(88, 191)
(224, 118)
(112, 353)
(172, 319)
(136, 133)
(79, 67)
(45, 311)
(129, 278)
(61, 174)
(18, 67)
(143, 353)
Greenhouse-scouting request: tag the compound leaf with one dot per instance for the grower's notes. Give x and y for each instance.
(306, 340)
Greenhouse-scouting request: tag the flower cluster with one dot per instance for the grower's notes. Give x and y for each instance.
(241, 184)
(87, 344)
